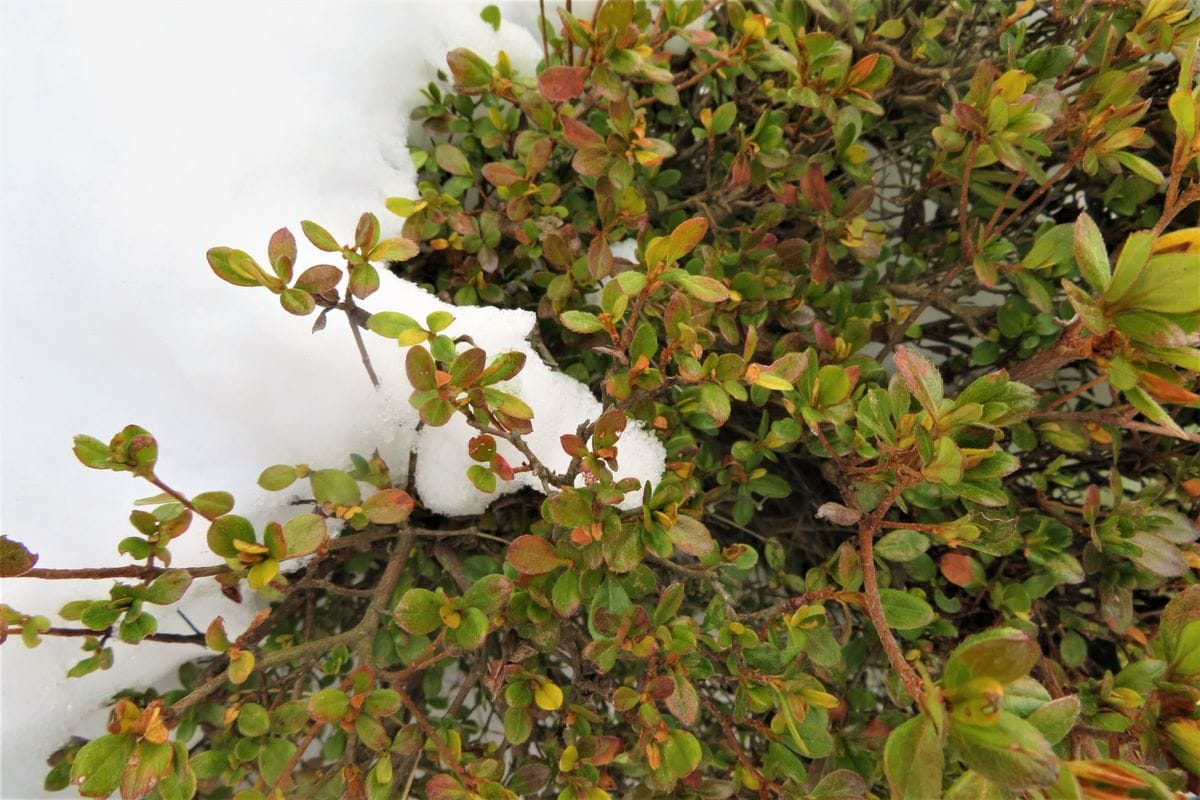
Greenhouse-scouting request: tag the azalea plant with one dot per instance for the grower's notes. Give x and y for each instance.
(910, 295)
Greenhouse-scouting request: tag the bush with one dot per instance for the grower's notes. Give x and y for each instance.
(914, 312)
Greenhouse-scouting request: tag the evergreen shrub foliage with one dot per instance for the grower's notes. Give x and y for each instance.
(914, 310)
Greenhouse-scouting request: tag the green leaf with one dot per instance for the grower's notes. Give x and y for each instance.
(398, 249)
(240, 667)
(685, 237)
(902, 545)
(297, 302)
(681, 753)
(947, 463)
(328, 705)
(335, 486)
(274, 758)
(168, 587)
(92, 452)
(419, 611)
(518, 725)
(502, 368)
(253, 720)
(724, 117)
(1130, 264)
(1183, 111)
(451, 159)
(489, 594)
(391, 324)
(321, 238)
(1003, 654)
(1056, 718)
(224, 530)
(491, 15)
(382, 703)
(904, 611)
(99, 763)
(421, 371)
(149, 764)
(32, 629)
(471, 631)
(213, 504)
(705, 289)
(436, 412)
(468, 69)
(913, 760)
(1091, 254)
(1012, 752)
(304, 534)
(277, 478)
(581, 322)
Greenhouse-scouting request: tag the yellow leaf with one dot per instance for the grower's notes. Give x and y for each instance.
(547, 696)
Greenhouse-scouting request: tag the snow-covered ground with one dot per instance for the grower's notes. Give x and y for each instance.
(134, 137)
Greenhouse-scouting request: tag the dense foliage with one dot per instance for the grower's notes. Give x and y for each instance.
(914, 311)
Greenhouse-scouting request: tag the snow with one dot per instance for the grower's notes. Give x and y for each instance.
(134, 137)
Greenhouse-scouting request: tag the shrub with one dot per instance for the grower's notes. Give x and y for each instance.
(914, 312)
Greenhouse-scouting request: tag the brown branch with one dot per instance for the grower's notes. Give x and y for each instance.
(171, 638)
(354, 322)
(363, 630)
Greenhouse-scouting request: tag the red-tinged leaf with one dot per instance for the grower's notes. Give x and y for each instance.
(961, 570)
(533, 555)
(366, 233)
(921, 377)
(499, 174)
(467, 367)
(321, 279)
(502, 468)
(388, 506)
(580, 135)
(1165, 391)
(599, 259)
(15, 558)
(967, 117)
(444, 787)
(686, 236)
(821, 266)
(815, 190)
(862, 69)
(598, 750)
(591, 161)
(684, 702)
(562, 83)
(572, 445)
(691, 536)
(281, 252)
